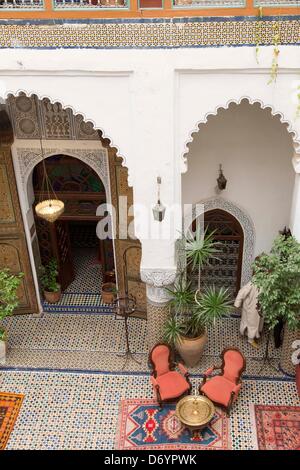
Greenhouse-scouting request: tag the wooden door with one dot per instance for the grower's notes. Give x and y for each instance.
(127, 252)
(54, 242)
(63, 253)
(225, 271)
(13, 247)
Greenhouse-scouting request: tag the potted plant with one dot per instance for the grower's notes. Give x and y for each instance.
(108, 292)
(192, 312)
(9, 284)
(277, 276)
(48, 279)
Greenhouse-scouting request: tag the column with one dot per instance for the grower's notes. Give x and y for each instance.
(157, 301)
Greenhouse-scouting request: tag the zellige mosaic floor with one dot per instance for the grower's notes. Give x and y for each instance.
(80, 411)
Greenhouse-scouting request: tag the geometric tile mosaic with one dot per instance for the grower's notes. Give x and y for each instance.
(147, 32)
(93, 342)
(80, 411)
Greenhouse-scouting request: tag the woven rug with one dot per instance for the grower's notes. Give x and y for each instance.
(277, 427)
(143, 426)
(10, 404)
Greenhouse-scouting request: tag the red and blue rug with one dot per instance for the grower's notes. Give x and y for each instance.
(277, 427)
(143, 426)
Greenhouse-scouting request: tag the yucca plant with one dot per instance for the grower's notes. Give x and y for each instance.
(192, 312)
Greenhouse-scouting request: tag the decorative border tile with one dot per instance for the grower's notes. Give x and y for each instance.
(155, 33)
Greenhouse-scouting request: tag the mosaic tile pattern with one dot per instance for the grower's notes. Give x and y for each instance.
(83, 294)
(147, 33)
(80, 411)
(92, 342)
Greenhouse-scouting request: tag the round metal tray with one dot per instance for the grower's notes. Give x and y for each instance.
(195, 410)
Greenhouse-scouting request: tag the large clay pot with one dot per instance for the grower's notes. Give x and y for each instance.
(3, 349)
(108, 292)
(52, 297)
(190, 349)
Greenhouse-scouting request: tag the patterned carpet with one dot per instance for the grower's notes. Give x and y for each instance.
(80, 410)
(68, 368)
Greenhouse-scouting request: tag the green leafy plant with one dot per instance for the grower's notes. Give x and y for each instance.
(277, 276)
(9, 284)
(258, 27)
(276, 51)
(48, 276)
(191, 312)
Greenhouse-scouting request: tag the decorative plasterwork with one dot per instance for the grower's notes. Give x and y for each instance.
(290, 129)
(246, 223)
(96, 158)
(158, 277)
(157, 295)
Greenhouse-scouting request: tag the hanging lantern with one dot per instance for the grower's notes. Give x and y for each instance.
(222, 181)
(51, 208)
(159, 209)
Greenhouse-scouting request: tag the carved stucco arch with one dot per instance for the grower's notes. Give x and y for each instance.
(96, 158)
(290, 129)
(244, 220)
(75, 112)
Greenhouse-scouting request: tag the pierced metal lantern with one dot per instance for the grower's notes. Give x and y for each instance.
(50, 209)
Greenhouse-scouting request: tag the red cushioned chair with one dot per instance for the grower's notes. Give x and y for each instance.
(169, 385)
(223, 388)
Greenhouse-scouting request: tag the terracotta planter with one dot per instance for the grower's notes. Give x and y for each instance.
(190, 349)
(3, 350)
(52, 297)
(108, 292)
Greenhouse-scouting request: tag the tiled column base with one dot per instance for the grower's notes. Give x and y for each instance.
(157, 315)
(288, 352)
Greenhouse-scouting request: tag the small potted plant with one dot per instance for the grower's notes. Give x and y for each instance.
(48, 279)
(192, 312)
(108, 292)
(277, 276)
(9, 284)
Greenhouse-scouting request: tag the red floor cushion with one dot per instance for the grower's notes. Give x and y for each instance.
(172, 385)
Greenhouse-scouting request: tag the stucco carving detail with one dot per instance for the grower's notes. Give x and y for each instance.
(97, 159)
(158, 277)
(290, 128)
(245, 221)
(157, 295)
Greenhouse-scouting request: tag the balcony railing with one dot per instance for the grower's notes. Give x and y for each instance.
(209, 3)
(21, 4)
(89, 4)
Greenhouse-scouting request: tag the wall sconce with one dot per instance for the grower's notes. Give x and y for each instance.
(159, 209)
(222, 181)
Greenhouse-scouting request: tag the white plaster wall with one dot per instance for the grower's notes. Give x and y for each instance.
(256, 153)
(149, 101)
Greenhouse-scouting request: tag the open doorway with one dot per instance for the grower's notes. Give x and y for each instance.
(83, 259)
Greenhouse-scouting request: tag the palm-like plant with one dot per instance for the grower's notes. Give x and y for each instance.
(199, 249)
(192, 312)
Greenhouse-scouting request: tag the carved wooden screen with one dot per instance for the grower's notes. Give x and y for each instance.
(226, 269)
(127, 252)
(13, 247)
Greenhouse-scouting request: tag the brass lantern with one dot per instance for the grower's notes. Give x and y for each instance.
(49, 209)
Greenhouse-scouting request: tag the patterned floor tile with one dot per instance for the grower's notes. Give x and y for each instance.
(80, 411)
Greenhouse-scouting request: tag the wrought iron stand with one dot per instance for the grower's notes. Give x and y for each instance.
(125, 307)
